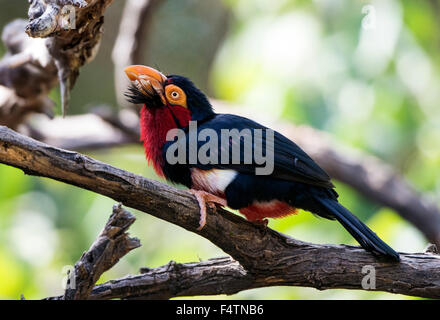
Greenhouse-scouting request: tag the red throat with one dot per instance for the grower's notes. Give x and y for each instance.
(155, 124)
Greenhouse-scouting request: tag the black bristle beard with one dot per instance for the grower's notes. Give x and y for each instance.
(135, 96)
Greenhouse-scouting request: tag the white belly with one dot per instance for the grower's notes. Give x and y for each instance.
(213, 181)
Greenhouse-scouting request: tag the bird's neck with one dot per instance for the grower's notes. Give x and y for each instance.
(155, 124)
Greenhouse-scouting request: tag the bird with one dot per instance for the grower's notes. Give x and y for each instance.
(296, 181)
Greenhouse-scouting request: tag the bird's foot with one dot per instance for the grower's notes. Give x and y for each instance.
(262, 225)
(204, 198)
(262, 222)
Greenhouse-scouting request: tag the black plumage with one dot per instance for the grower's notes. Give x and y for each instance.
(296, 181)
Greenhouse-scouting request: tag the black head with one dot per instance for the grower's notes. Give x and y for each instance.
(155, 90)
(196, 100)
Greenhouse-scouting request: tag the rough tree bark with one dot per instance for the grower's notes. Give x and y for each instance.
(365, 173)
(70, 46)
(33, 66)
(268, 256)
(111, 245)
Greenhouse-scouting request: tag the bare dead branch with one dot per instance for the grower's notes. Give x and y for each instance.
(365, 173)
(211, 277)
(111, 245)
(18, 97)
(27, 73)
(264, 253)
(71, 44)
(226, 276)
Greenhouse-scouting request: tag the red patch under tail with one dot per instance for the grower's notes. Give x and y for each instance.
(273, 209)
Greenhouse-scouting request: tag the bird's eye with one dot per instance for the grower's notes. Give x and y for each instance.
(174, 95)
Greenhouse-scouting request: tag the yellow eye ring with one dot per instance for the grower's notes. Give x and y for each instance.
(175, 95)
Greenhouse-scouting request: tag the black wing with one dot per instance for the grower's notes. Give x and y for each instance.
(290, 161)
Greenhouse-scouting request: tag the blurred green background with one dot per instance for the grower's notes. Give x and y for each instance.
(367, 72)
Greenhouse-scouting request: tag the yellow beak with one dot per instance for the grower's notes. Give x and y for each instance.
(148, 80)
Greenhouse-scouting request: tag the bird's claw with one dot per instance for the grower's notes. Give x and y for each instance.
(262, 224)
(204, 198)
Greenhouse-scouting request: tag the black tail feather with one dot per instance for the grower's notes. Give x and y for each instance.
(364, 235)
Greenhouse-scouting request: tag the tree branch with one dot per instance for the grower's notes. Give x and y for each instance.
(211, 277)
(28, 72)
(111, 245)
(73, 29)
(226, 276)
(365, 173)
(264, 253)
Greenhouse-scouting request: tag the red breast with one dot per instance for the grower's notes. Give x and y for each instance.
(155, 124)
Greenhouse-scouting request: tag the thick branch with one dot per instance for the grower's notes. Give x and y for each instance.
(226, 276)
(211, 277)
(28, 72)
(111, 245)
(365, 173)
(262, 252)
